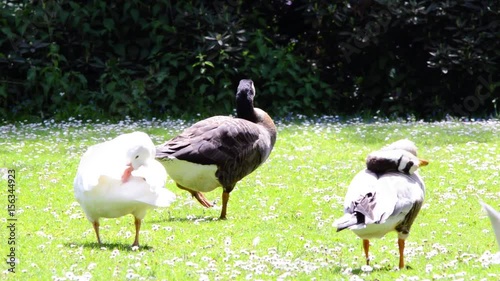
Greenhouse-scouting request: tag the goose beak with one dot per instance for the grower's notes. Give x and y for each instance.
(423, 162)
(127, 172)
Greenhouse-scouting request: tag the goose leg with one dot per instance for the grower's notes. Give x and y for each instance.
(401, 245)
(137, 223)
(198, 195)
(96, 229)
(366, 247)
(201, 198)
(225, 199)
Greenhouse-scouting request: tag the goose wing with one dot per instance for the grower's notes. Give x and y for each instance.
(374, 200)
(409, 191)
(153, 173)
(97, 161)
(108, 159)
(494, 216)
(233, 144)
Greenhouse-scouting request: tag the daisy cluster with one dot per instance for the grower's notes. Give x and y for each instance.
(298, 193)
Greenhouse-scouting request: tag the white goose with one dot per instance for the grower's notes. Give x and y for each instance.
(494, 216)
(384, 200)
(121, 177)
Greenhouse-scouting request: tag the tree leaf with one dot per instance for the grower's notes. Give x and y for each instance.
(109, 24)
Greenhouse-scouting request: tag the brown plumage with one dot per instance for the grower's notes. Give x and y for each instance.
(220, 150)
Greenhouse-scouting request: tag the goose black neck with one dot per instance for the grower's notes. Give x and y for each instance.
(244, 107)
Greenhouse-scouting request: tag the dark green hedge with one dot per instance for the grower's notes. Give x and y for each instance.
(179, 58)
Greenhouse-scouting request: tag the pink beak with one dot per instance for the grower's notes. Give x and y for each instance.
(127, 173)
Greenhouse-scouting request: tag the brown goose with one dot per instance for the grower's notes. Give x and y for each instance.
(220, 150)
(376, 204)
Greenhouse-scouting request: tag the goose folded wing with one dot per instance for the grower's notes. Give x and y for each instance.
(186, 145)
(237, 145)
(99, 160)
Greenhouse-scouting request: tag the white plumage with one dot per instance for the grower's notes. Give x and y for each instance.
(494, 216)
(121, 177)
(188, 173)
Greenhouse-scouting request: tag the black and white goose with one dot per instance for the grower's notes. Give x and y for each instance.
(377, 203)
(220, 150)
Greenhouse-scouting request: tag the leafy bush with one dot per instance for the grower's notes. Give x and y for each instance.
(424, 57)
(94, 58)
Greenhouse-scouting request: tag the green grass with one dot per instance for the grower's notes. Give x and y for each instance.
(279, 218)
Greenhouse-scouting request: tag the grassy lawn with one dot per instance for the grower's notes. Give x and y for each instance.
(280, 217)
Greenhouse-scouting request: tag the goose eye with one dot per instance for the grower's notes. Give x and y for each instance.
(137, 156)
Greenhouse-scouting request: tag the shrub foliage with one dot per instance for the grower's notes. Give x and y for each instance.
(179, 58)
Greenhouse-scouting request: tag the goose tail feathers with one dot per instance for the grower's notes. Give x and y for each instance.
(165, 198)
(351, 221)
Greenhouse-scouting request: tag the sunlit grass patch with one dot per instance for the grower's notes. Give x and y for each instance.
(279, 218)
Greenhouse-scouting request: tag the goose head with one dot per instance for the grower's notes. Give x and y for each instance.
(400, 155)
(140, 148)
(246, 90)
(139, 155)
(397, 159)
(410, 163)
(142, 164)
(244, 101)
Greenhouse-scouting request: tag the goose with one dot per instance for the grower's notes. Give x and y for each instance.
(220, 150)
(401, 160)
(494, 216)
(120, 177)
(378, 203)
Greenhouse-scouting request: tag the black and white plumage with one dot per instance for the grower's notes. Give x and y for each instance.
(494, 216)
(382, 161)
(379, 202)
(399, 156)
(220, 150)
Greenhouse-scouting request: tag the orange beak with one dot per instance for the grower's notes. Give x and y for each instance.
(423, 162)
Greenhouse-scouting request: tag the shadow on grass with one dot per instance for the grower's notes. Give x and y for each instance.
(188, 219)
(359, 271)
(108, 246)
